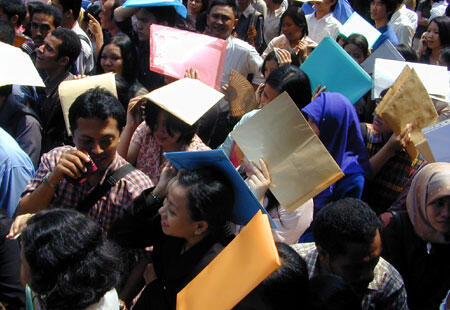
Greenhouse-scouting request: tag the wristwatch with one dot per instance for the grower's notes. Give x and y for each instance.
(47, 182)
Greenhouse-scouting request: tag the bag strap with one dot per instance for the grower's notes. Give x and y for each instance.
(100, 190)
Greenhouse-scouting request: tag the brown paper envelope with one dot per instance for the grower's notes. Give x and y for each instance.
(249, 259)
(424, 148)
(407, 102)
(70, 90)
(299, 164)
(242, 95)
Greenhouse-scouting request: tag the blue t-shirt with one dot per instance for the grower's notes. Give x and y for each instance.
(387, 33)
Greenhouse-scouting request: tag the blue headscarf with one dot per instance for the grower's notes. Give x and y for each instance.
(340, 131)
(341, 12)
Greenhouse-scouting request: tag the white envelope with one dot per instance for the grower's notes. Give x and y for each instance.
(357, 24)
(438, 138)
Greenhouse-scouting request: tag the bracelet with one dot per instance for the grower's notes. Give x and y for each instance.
(47, 182)
(156, 197)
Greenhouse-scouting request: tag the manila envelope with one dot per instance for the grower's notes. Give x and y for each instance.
(70, 90)
(407, 101)
(299, 163)
(247, 261)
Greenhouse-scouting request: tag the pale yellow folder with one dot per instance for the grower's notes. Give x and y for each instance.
(408, 102)
(300, 165)
(249, 259)
(70, 90)
(187, 99)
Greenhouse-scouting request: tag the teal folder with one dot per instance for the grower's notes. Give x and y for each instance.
(246, 205)
(177, 4)
(331, 66)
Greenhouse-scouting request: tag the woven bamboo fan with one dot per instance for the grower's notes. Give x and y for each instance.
(241, 95)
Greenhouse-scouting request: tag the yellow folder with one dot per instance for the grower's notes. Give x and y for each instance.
(249, 259)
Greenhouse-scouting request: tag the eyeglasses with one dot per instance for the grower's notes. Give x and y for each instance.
(42, 27)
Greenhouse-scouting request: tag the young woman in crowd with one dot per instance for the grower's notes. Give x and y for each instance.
(195, 8)
(334, 120)
(278, 58)
(356, 46)
(436, 38)
(143, 144)
(417, 242)
(294, 34)
(68, 263)
(185, 219)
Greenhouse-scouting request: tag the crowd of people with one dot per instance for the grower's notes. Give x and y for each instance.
(93, 216)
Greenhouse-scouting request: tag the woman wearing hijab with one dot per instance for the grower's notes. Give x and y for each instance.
(334, 120)
(417, 242)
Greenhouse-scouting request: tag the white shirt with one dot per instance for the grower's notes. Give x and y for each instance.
(282, 42)
(438, 9)
(85, 61)
(412, 15)
(323, 27)
(403, 27)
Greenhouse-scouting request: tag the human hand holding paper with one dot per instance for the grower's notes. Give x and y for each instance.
(259, 179)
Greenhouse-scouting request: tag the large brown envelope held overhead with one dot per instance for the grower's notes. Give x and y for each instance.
(299, 163)
(187, 99)
(70, 90)
(407, 102)
(242, 97)
(249, 259)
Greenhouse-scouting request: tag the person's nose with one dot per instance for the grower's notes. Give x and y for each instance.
(96, 149)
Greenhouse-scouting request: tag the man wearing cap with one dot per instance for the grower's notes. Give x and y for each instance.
(322, 23)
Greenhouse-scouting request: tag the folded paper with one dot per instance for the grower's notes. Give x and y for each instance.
(434, 78)
(357, 24)
(246, 205)
(173, 51)
(386, 51)
(407, 102)
(17, 68)
(438, 138)
(70, 90)
(241, 95)
(249, 259)
(299, 164)
(177, 4)
(188, 99)
(329, 65)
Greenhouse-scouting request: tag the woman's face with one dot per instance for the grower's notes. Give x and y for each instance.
(380, 126)
(195, 6)
(271, 65)
(111, 59)
(438, 213)
(268, 95)
(162, 137)
(354, 51)
(175, 217)
(291, 30)
(432, 36)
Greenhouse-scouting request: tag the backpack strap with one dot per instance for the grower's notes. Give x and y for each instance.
(101, 189)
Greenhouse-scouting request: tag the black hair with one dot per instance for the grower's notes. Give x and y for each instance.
(5, 90)
(331, 292)
(70, 44)
(72, 265)
(173, 123)
(294, 81)
(14, 7)
(360, 41)
(166, 14)
(407, 52)
(345, 221)
(210, 197)
(272, 56)
(298, 17)
(443, 23)
(7, 32)
(445, 54)
(129, 57)
(230, 3)
(334, 6)
(97, 103)
(277, 1)
(49, 10)
(391, 6)
(74, 5)
(94, 8)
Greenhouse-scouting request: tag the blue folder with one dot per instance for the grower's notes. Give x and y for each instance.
(179, 7)
(331, 66)
(246, 205)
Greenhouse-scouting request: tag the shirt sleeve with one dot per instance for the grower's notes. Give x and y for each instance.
(139, 134)
(29, 137)
(254, 62)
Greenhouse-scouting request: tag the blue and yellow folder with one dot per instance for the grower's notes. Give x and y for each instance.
(246, 205)
(329, 65)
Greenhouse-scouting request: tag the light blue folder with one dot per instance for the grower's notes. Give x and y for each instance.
(246, 205)
(331, 66)
(179, 7)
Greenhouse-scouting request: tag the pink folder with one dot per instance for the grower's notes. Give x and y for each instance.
(173, 51)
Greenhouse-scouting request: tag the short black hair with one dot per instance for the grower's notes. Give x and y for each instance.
(166, 14)
(72, 265)
(347, 220)
(14, 7)
(7, 32)
(445, 54)
(49, 10)
(97, 103)
(294, 81)
(407, 52)
(298, 17)
(272, 56)
(360, 41)
(173, 123)
(391, 6)
(70, 44)
(334, 6)
(5, 90)
(230, 3)
(74, 5)
(277, 1)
